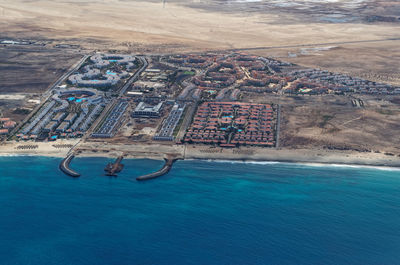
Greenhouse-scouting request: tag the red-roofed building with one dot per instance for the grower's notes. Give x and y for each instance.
(241, 123)
(9, 124)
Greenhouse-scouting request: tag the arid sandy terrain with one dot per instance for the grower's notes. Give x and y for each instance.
(143, 26)
(28, 71)
(331, 122)
(151, 23)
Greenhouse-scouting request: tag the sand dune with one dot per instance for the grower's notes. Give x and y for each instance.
(120, 21)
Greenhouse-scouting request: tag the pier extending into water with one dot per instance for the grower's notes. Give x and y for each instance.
(164, 170)
(64, 166)
(113, 168)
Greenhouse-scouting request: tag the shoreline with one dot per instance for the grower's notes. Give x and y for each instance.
(233, 161)
(301, 163)
(308, 157)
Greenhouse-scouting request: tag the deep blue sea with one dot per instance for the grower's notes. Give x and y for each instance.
(202, 213)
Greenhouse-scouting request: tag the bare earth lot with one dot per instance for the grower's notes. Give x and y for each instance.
(32, 69)
(331, 122)
(26, 72)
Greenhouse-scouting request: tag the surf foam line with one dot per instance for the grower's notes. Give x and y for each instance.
(301, 164)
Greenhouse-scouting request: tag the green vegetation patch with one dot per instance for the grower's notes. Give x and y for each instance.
(189, 73)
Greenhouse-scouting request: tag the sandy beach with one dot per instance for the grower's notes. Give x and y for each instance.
(159, 151)
(54, 149)
(297, 156)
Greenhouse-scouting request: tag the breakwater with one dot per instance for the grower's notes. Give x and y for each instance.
(113, 168)
(241, 207)
(164, 170)
(64, 166)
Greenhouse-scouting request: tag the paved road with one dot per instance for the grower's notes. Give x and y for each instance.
(187, 119)
(135, 76)
(48, 93)
(73, 68)
(102, 115)
(114, 101)
(278, 125)
(266, 64)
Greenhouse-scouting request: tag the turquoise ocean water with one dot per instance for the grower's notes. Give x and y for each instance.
(202, 212)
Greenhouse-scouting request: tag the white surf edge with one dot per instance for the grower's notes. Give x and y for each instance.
(271, 162)
(304, 164)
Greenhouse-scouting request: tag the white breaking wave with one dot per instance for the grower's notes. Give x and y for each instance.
(308, 164)
(286, 3)
(17, 155)
(243, 162)
(386, 168)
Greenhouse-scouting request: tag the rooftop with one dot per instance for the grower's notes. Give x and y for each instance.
(143, 107)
